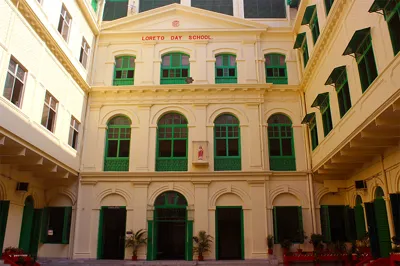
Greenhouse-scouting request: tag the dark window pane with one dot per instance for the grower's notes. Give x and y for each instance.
(287, 147)
(45, 115)
(371, 65)
(264, 8)
(180, 148)
(185, 73)
(74, 139)
(164, 147)
(112, 148)
(270, 72)
(232, 72)
(362, 69)
(56, 224)
(274, 147)
(233, 145)
(51, 120)
(220, 72)
(17, 92)
(221, 147)
(118, 74)
(220, 6)
(115, 10)
(124, 148)
(165, 73)
(287, 230)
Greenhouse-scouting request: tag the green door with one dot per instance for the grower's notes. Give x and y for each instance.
(37, 220)
(26, 226)
(382, 226)
(4, 206)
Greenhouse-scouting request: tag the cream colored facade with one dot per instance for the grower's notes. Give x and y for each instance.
(363, 144)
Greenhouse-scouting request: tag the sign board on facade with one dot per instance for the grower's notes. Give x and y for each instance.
(175, 37)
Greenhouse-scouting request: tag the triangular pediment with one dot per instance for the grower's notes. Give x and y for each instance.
(179, 18)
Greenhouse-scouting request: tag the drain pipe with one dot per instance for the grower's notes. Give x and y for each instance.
(309, 165)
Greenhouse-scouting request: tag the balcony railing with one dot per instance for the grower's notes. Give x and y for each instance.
(171, 164)
(227, 164)
(277, 80)
(123, 82)
(116, 164)
(173, 81)
(225, 80)
(282, 163)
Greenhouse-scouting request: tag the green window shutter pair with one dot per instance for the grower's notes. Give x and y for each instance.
(117, 150)
(301, 43)
(382, 227)
(172, 141)
(124, 71)
(311, 18)
(175, 68)
(225, 69)
(281, 143)
(66, 224)
(366, 63)
(275, 69)
(325, 224)
(227, 154)
(312, 124)
(339, 79)
(115, 9)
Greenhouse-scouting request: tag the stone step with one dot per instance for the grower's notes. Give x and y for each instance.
(156, 263)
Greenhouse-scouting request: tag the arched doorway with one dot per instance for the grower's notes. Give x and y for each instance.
(170, 233)
(382, 223)
(30, 227)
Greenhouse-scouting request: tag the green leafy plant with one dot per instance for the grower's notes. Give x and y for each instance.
(270, 241)
(286, 243)
(202, 243)
(135, 240)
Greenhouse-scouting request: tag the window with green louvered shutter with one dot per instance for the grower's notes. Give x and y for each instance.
(360, 221)
(392, 16)
(115, 9)
(264, 8)
(56, 225)
(395, 202)
(275, 69)
(4, 207)
(366, 62)
(306, 56)
(372, 229)
(145, 5)
(382, 227)
(220, 6)
(326, 116)
(225, 69)
(37, 223)
(350, 224)
(283, 230)
(314, 26)
(325, 224)
(175, 68)
(124, 71)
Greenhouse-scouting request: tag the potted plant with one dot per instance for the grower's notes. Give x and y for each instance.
(202, 244)
(363, 244)
(302, 237)
(286, 244)
(316, 241)
(135, 240)
(270, 244)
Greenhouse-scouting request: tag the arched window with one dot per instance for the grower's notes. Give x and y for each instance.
(281, 145)
(227, 143)
(275, 69)
(118, 144)
(124, 71)
(175, 68)
(172, 141)
(225, 68)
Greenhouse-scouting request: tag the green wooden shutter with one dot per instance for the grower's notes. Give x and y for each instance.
(383, 227)
(67, 225)
(100, 235)
(45, 225)
(395, 202)
(300, 230)
(216, 235)
(325, 224)
(150, 240)
(360, 221)
(26, 226)
(37, 222)
(276, 236)
(349, 224)
(4, 207)
(372, 229)
(242, 232)
(189, 241)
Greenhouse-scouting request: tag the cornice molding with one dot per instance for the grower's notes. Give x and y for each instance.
(88, 15)
(41, 30)
(331, 27)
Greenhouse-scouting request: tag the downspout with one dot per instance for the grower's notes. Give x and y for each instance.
(309, 165)
(387, 199)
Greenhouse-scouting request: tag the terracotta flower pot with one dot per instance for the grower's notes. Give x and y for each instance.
(200, 258)
(270, 251)
(134, 258)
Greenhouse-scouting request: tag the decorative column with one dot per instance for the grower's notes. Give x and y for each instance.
(291, 68)
(199, 75)
(299, 150)
(146, 70)
(201, 206)
(258, 221)
(140, 148)
(252, 110)
(250, 59)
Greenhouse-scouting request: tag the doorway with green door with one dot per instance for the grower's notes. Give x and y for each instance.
(30, 227)
(170, 232)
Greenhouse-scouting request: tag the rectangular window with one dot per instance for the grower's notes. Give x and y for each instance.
(392, 16)
(49, 112)
(56, 225)
(314, 26)
(343, 93)
(333, 223)
(84, 55)
(15, 82)
(94, 5)
(115, 9)
(305, 52)
(366, 63)
(264, 8)
(313, 133)
(64, 24)
(145, 5)
(326, 116)
(220, 6)
(73, 133)
(288, 230)
(328, 6)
